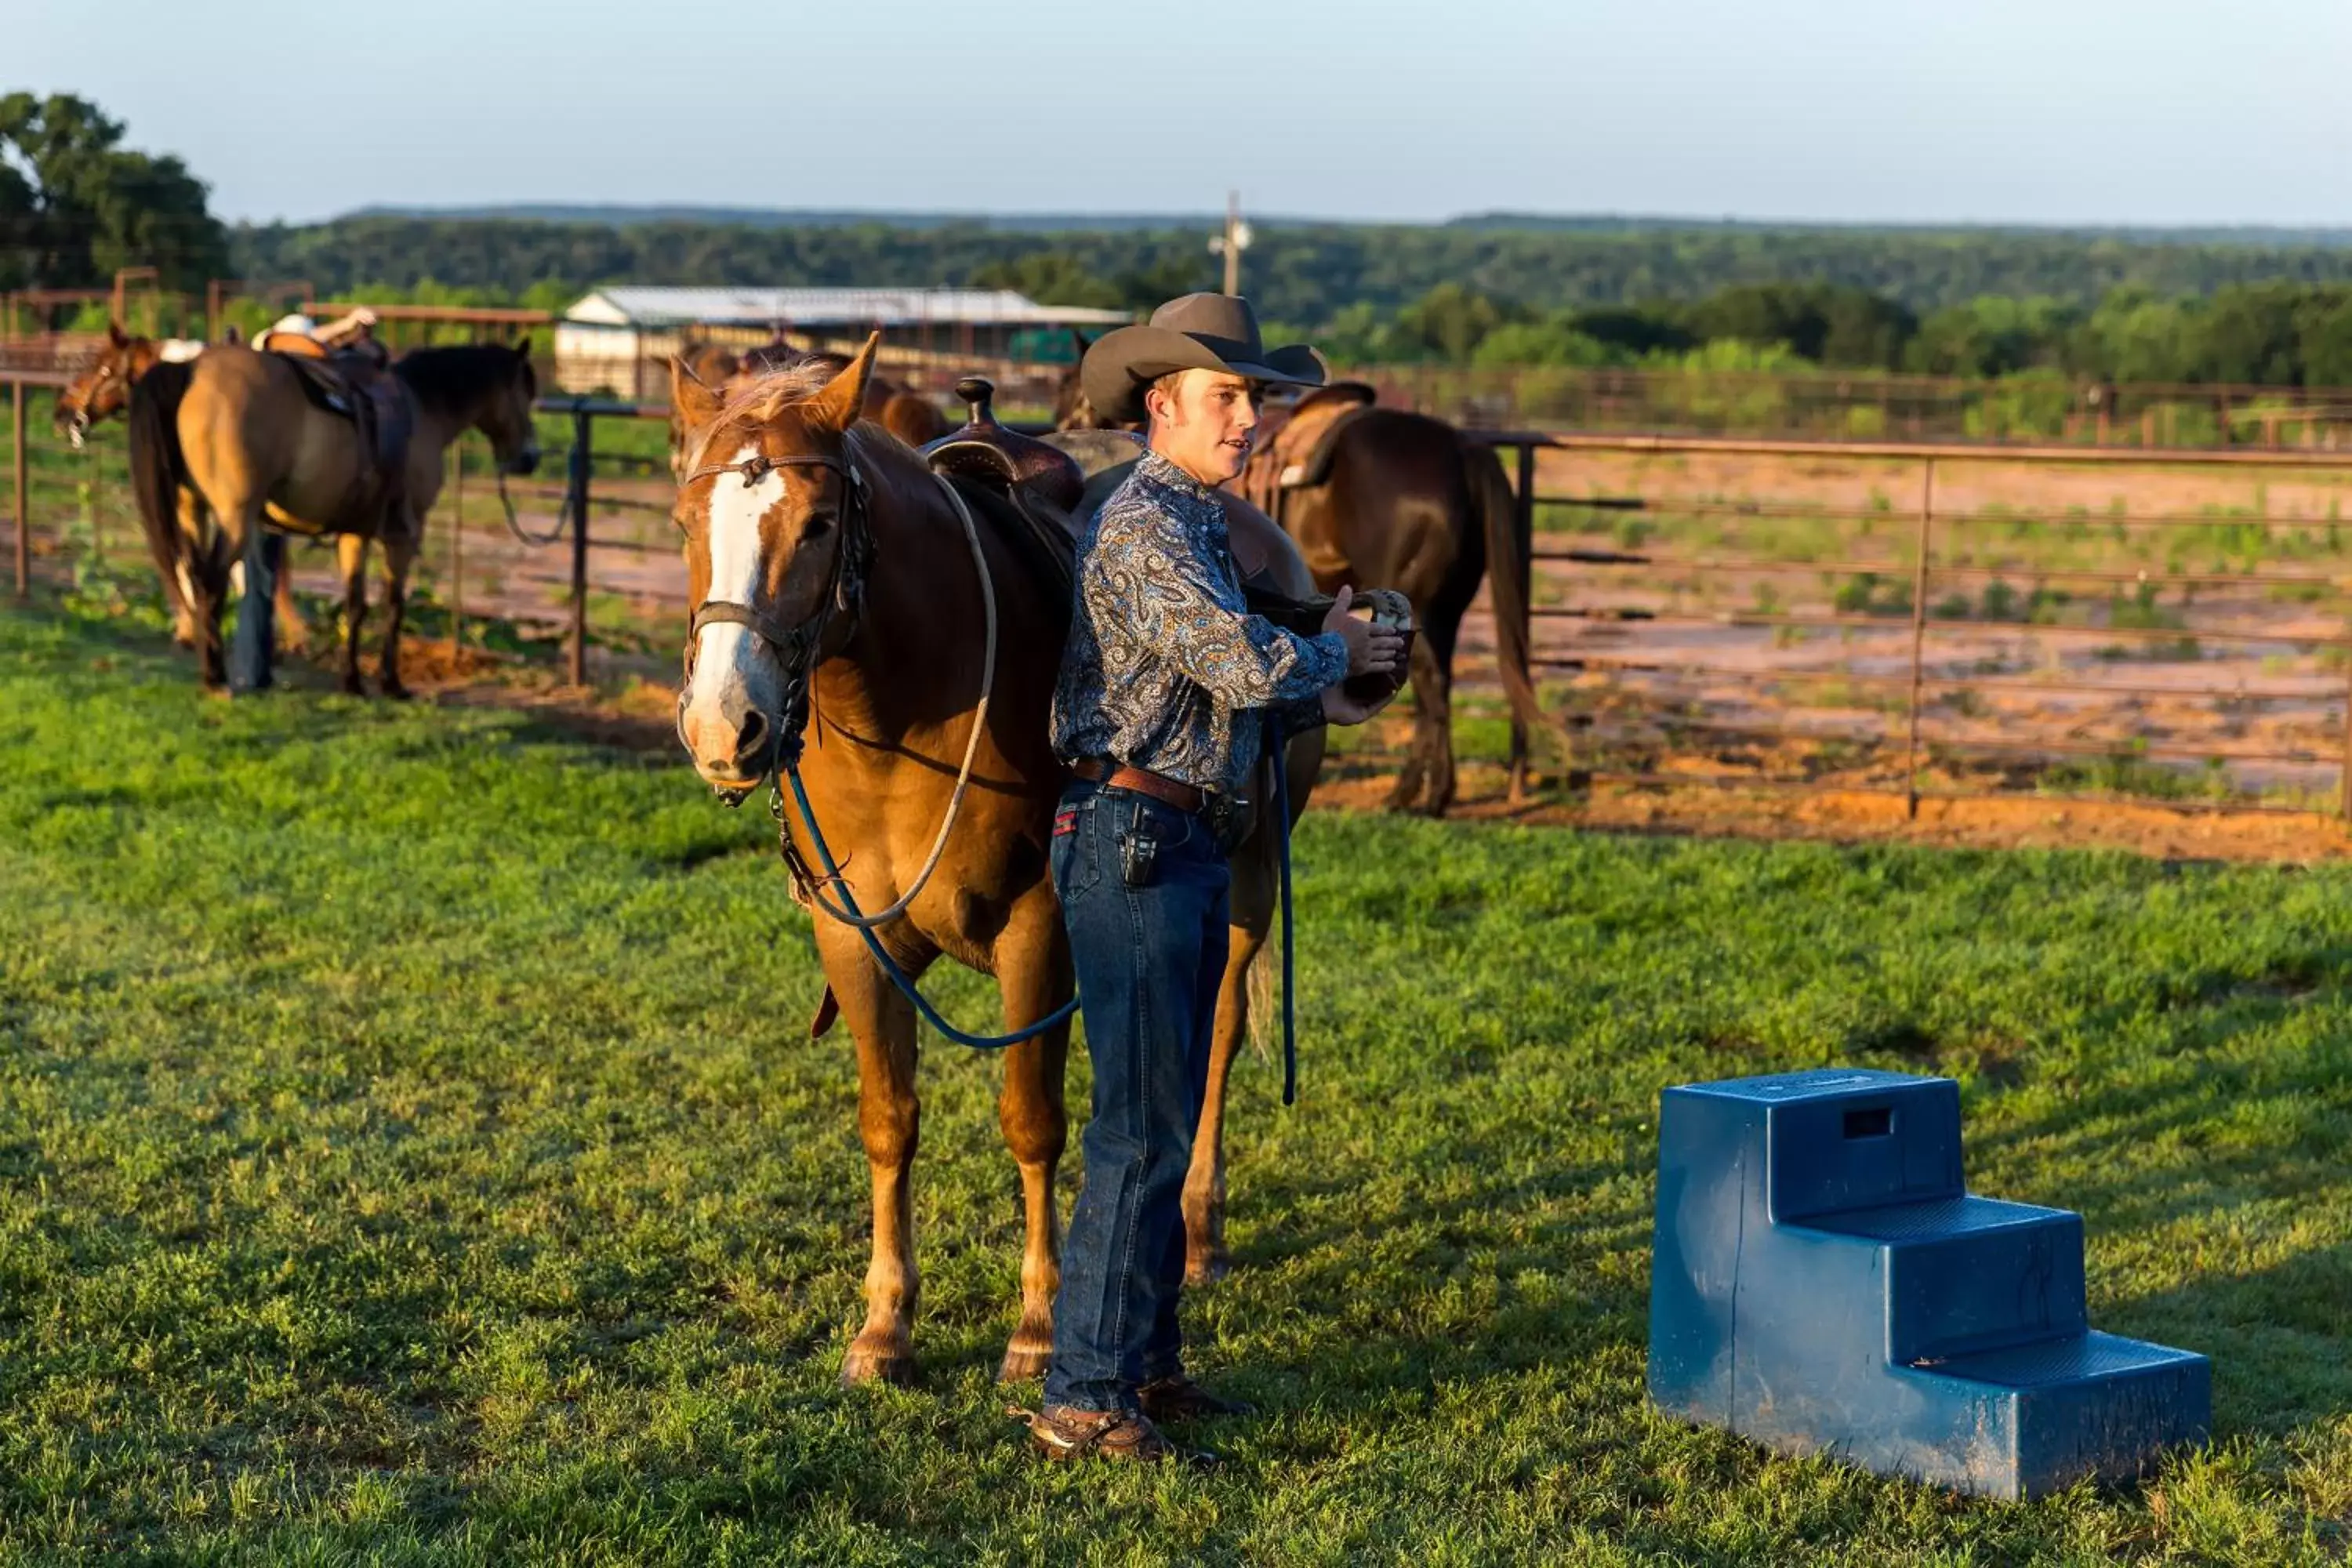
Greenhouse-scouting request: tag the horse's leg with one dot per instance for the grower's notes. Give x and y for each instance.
(1034, 973)
(889, 1118)
(1205, 1258)
(1437, 673)
(209, 597)
(1417, 779)
(293, 631)
(183, 590)
(350, 558)
(399, 553)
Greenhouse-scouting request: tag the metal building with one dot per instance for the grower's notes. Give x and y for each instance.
(615, 339)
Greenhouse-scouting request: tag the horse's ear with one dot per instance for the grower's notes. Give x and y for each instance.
(837, 405)
(523, 347)
(697, 405)
(1080, 342)
(114, 335)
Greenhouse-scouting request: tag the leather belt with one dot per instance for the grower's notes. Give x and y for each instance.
(1142, 781)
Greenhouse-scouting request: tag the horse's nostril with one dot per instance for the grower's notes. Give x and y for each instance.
(754, 734)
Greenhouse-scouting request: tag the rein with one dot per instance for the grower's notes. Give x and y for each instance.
(796, 647)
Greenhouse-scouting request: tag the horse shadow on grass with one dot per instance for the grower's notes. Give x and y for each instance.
(1357, 1314)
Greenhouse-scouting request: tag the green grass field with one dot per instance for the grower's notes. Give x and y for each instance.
(409, 1152)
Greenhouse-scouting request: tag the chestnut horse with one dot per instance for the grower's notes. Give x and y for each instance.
(823, 558)
(1401, 502)
(241, 445)
(908, 416)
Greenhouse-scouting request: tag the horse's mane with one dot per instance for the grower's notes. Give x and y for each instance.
(445, 377)
(751, 399)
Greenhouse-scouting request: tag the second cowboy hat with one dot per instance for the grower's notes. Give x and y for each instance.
(1198, 331)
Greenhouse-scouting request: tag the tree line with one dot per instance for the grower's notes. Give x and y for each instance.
(75, 204)
(2272, 334)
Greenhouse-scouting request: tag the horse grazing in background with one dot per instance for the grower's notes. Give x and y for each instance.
(822, 556)
(1378, 498)
(100, 392)
(246, 439)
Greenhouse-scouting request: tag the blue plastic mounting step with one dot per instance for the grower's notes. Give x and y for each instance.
(1822, 1281)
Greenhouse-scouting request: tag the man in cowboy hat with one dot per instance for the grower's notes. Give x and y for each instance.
(1167, 687)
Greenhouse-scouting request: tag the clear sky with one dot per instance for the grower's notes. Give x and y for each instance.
(2077, 111)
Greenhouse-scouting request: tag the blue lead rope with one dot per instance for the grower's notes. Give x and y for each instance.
(1068, 1010)
(1061, 1014)
(1277, 742)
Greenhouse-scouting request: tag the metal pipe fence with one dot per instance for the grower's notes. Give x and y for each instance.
(1847, 405)
(1921, 669)
(1620, 566)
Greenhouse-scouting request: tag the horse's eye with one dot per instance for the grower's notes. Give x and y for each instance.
(819, 524)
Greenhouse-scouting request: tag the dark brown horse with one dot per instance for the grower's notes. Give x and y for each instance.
(239, 444)
(1396, 500)
(819, 548)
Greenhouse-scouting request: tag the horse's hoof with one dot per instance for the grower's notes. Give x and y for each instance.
(1021, 1365)
(862, 1365)
(1206, 1268)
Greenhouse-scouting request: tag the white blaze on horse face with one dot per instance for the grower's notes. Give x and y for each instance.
(732, 679)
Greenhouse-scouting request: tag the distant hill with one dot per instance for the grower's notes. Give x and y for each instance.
(621, 215)
(1304, 274)
(624, 215)
(2256, 234)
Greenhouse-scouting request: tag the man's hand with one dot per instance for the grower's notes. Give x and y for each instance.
(1339, 708)
(1372, 649)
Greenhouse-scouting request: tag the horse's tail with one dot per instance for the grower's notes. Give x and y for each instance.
(157, 468)
(1506, 571)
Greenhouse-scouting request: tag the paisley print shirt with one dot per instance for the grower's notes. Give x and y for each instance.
(1165, 667)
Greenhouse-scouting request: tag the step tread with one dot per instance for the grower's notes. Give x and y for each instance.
(2087, 1357)
(1937, 1219)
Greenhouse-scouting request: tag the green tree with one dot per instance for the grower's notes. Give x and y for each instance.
(75, 204)
(1050, 277)
(1992, 335)
(1448, 322)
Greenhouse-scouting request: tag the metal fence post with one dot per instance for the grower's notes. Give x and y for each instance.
(1523, 526)
(576, 492)
(1918, 638)
(458, 548)
(2344, 781)
(24, 505)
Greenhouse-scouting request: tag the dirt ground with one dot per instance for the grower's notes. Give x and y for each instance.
(1660, 678)
(635, 712)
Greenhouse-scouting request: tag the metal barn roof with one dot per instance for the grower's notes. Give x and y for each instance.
(631, 305)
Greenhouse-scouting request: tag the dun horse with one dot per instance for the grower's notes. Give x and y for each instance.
(100, 392)
(1394, 500)
(241, 444)
(821, 549)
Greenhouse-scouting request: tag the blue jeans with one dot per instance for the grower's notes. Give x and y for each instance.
(255, 645)
(1150, 961)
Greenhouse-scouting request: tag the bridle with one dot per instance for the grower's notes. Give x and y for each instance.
(796, 647)
(78, 419)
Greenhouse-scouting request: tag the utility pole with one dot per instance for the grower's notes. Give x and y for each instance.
(1232, 242)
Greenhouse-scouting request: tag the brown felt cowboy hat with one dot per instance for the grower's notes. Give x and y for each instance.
(1198, 331)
